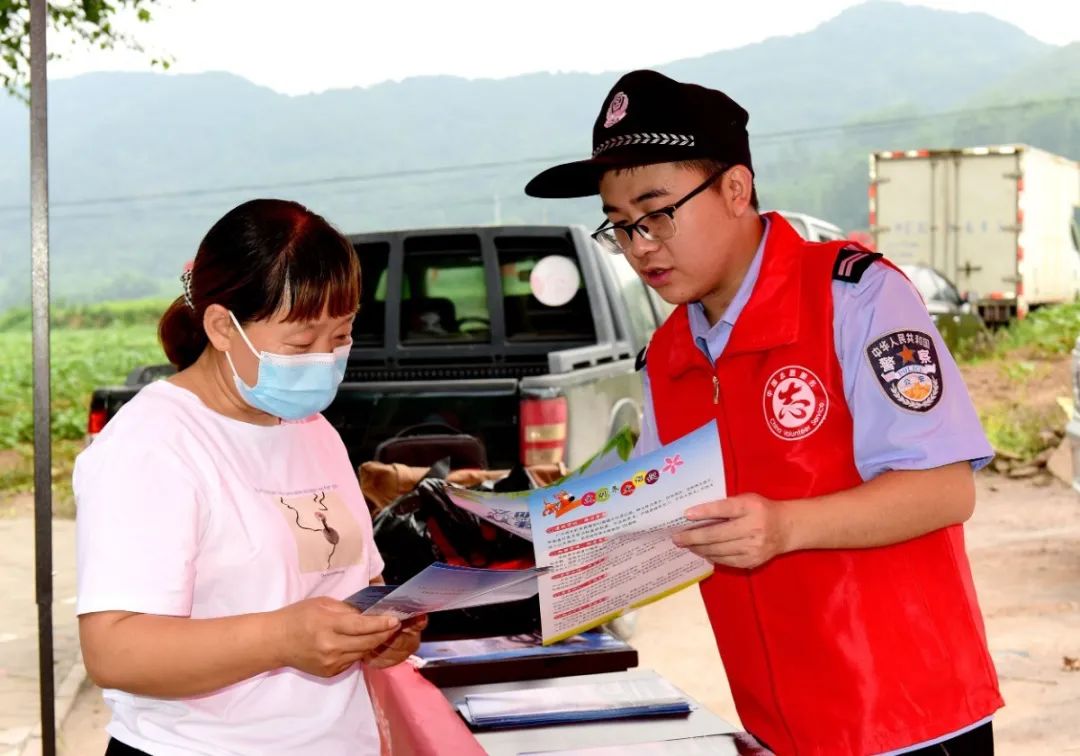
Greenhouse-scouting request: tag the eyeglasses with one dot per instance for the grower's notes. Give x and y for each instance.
(659, 225)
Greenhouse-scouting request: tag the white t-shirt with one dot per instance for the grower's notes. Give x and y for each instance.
(185, 512)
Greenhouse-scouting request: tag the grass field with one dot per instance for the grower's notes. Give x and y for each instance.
(82, 360)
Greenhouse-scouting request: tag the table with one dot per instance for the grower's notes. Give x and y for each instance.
(700, 723)
(415, 718)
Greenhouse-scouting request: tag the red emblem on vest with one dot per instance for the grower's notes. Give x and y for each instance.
(795, 403)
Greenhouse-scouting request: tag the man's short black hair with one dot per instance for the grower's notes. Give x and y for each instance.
(709, 166)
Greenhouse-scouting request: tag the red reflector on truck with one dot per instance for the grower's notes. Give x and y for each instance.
(543, 430)
(96, 422)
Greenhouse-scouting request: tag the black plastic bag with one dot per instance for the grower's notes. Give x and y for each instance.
(423, 526)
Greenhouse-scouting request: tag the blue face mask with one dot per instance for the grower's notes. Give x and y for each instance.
(292, 386)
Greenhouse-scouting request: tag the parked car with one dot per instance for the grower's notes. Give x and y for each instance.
(811, 228)
(955, 317)
(451, 332)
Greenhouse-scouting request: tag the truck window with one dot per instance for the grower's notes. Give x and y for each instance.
(526, 317)
(370, 320)
(444, 291)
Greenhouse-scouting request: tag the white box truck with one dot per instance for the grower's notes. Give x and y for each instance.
(1001, 222)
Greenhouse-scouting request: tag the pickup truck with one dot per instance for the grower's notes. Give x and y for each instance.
(453, 330)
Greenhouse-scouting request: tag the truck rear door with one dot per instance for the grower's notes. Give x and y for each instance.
(951, 210)
(983, 224)
(907, 208)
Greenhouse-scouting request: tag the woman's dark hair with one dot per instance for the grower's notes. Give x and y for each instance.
(263, 257)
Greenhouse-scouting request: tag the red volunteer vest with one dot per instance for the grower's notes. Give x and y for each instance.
(853, 651)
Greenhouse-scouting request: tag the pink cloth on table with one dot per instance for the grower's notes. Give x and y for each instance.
(414, 718)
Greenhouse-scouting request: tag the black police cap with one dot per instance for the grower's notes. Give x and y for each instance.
(649, 118)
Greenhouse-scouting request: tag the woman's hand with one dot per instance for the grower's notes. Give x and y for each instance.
(400, 647)
(324, 637)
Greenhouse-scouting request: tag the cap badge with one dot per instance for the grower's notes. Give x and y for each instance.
(616, 110)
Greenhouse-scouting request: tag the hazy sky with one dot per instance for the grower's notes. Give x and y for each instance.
(303, 46)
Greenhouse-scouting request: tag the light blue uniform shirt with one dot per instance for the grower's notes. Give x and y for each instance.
(886, 437)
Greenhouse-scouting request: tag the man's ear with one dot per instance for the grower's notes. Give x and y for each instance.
(738, 188)
(219, 327)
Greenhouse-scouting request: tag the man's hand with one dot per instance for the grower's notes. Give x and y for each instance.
(751, 531)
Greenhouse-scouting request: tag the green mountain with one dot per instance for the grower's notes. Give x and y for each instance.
(142, 164)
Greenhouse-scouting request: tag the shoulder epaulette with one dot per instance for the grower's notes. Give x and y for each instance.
(852, 262)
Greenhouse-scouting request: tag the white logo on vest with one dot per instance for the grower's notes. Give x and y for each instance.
(795, 403)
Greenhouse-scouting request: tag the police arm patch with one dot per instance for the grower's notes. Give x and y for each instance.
(907, 367)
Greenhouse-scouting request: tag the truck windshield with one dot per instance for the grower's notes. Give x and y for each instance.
(444, 298)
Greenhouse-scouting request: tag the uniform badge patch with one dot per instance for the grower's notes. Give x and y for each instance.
(906, 365)
(616, 110)
(795, 403)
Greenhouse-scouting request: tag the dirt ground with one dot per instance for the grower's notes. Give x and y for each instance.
(1034, 382)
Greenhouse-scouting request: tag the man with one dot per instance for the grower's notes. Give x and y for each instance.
(842, 600)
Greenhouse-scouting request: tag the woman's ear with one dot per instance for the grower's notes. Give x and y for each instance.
(219, 327)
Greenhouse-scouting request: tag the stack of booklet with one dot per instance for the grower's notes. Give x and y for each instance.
(505, 658)
(542, 706)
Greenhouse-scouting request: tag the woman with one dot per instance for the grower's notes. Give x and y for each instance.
(219, 520)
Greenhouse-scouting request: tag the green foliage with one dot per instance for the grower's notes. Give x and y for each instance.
(1020, 430)
(129, 210)
(617, 449)
(1045, 333)
(101, 315)
(82, 360)
(88, 21)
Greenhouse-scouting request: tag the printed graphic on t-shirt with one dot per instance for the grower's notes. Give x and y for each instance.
(327, 535)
